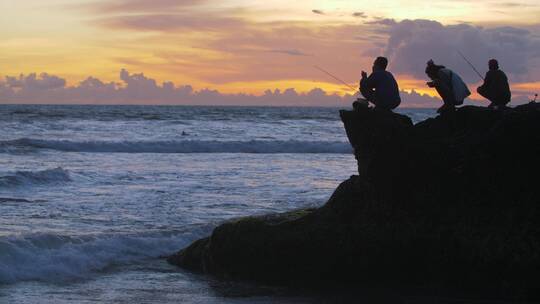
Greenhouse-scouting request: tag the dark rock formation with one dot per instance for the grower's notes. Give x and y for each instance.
(450, 203)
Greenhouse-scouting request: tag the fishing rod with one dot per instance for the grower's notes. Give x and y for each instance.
(472, 66)
(328, 73)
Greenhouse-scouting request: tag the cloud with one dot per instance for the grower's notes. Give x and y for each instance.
(359, 15)
(136, 88)
(243, 50)
(330, 46)
(132, 6)
(382, 21)
(186, 22)
(237, 48)
(515, 4)
(248, 51)
(35, 83)
(412, 42)
(290, 52)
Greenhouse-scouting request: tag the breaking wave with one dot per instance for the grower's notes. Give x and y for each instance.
(22, 178)
(187, 146)
(53, 258)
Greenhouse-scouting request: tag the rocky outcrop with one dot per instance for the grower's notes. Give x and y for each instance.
(451, 202)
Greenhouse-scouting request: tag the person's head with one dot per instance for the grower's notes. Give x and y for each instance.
(493, 64)
(380, 64)
(432, 69)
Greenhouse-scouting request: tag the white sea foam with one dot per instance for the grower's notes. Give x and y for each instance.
(57, 258)
(22, 178)
(138, 207)
(187, 146)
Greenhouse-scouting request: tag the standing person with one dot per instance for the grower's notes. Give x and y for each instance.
(380, 88)
(495, 87)
(448, 84)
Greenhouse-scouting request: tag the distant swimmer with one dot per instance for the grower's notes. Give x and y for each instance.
(448, 84)
(495, 87)
(380, 88)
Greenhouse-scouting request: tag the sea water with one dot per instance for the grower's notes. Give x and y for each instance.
(93, 197)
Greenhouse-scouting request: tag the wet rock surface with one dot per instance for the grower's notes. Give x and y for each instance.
(451, 203)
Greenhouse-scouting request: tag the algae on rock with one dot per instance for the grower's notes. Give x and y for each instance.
(451, 202)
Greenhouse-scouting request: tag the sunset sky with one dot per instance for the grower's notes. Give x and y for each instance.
(247, 47)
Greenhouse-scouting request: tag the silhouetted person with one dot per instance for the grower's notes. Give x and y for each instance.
(495, 87)
(448, 84)
(380, 88)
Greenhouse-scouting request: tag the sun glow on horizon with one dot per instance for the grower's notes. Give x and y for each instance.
(236, 46)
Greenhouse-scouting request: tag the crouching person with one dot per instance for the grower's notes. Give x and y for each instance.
(448, 84)
(495, 87)
(380, 88)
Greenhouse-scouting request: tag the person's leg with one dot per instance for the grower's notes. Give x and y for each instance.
(377, 103)
(393, 104)
(380, 106)
(482, 92)
(368, 94)
(360, 103)
(505, 100)
(446, 94)
(448, 98)
(486, 94)
(501, 101)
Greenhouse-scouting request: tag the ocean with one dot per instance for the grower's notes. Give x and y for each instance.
(93, 197)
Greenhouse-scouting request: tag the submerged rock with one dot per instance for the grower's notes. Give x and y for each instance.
(451, 202)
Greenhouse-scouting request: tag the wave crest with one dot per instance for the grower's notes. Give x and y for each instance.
(48, 257)
(186, 146)
(22, 178)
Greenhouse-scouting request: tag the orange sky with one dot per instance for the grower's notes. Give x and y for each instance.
(237, 46)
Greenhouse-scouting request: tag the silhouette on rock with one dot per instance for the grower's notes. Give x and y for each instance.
(451, 203)
(495, 87)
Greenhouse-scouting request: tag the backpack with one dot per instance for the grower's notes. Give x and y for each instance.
(459, 87)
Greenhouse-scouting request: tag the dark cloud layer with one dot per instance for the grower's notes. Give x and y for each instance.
(136, 88)
(409, 44)
(34, 83)
(412, 42)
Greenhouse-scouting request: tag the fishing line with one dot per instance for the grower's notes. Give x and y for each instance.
(336, 78)
(470, 64)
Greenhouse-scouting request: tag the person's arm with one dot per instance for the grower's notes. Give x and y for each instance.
(362, 85)
(440, 79)
(482, 87)
(368, 83)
